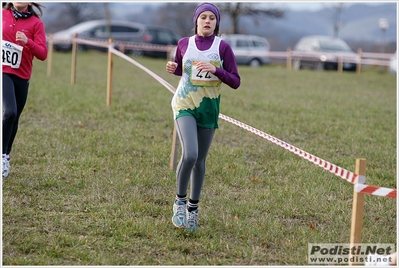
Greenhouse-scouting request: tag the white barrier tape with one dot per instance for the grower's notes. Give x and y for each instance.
(104, 43)
(90, 42)
(340, 172)
(373, 58)
(375, 190)
(159, 79)
(141, 46)
(377, 55)
(361, 179)
(376, 62)
(56, 41)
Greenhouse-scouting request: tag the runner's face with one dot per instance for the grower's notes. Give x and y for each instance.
(206, 23)
(21, 6)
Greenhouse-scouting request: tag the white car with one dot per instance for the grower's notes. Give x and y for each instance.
(320, 52)
(252, 50)
(97, 29)
(121, 32)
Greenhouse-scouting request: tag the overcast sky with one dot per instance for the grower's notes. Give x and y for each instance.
(293, 5)
(313, 5)
(316, 5)
(303, 5)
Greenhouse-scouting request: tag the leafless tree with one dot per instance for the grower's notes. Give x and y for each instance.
(71, 13)
(107, 17)
(177, 16)
(335, 12)
(236, 10)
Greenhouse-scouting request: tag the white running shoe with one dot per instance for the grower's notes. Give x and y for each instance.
(192, 220)
(179, 214)
(6, 165)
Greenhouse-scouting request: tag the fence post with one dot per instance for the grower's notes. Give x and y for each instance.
(169, 52)
(357, 209)
(122, 48)
(109, 72)
(359, 64)
(289, 60)
(340, 65)
(74, 57)
(175, 149)
(50, 55)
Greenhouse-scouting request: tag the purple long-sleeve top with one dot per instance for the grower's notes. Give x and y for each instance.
(228, 75)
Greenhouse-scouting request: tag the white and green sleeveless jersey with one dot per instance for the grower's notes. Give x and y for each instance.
(198, 93)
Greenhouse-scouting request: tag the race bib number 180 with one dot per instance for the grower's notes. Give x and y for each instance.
(12, 54)
(200, 78)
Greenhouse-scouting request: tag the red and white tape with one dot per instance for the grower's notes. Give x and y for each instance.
(375, 190)
(349, 176)
(340, 172)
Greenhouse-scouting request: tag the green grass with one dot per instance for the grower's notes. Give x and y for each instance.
(91, 184)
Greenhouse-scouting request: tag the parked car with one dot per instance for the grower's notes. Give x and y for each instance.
(97, 29)
(249, 50)
(323, 53)
(158, 35)
(120, 31)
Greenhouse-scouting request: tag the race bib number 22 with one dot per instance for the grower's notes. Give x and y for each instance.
(12, 54)
(200, 78)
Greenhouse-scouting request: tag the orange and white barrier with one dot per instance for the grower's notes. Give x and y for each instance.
(375, 190)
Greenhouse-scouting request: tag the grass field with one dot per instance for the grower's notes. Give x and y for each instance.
(91, 184)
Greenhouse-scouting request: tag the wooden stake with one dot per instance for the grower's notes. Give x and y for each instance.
(357, 210)
(289, 59)
(359, 64)
(74, 56)
(50, 55)
(340, 65)
(109, 73)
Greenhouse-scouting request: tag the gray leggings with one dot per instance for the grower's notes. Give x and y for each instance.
(195, 142)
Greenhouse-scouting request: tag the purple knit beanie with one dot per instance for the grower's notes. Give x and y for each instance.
(206, 7)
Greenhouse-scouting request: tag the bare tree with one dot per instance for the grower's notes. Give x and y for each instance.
(71, 13)
(236, 10)
(107, 18)
(335, 12)
(178, 17)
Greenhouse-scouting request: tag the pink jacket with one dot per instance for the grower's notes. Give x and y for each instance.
(36, 46)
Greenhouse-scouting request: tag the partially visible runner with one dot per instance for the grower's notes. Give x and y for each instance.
(23, 38)
(204, 61)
